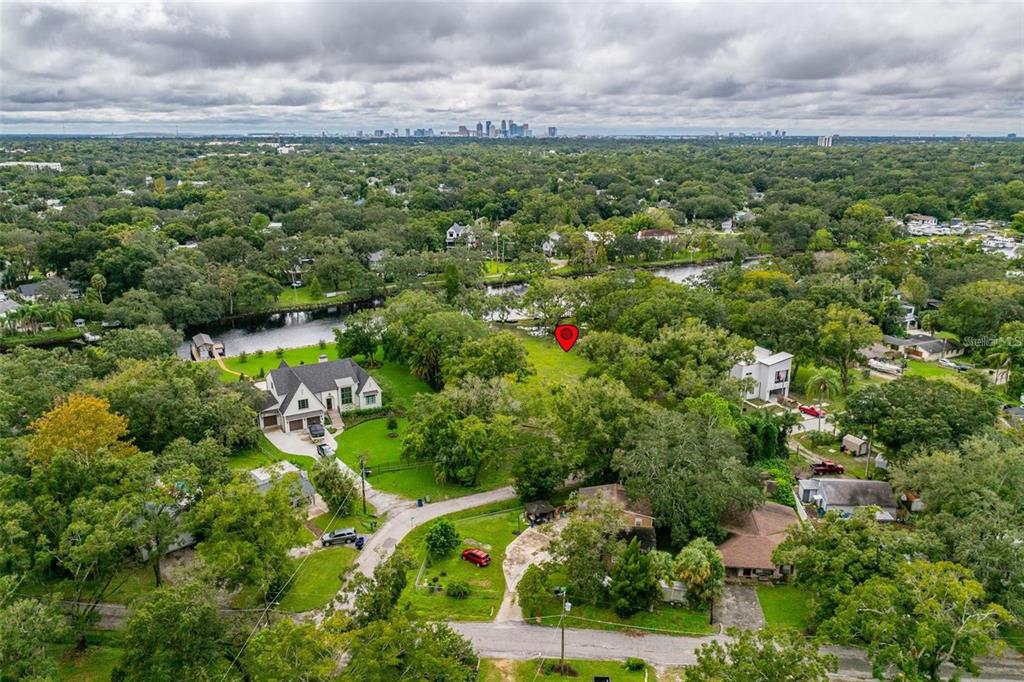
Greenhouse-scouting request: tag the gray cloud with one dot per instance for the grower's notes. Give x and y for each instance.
(879, 67)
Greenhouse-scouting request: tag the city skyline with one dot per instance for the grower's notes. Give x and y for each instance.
(693, 68)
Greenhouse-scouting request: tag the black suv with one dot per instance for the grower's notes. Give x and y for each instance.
(342, 536)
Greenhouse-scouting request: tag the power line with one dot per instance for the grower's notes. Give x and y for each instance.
(280, 591)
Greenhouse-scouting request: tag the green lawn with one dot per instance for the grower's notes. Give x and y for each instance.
(264, 453)
(492, 267)
(318, 580)
(492, 531)
(784, 606)
(92, 665)
(551, 363)
(527, 671)
(371, 437)
(931, 370)
(1014, 636)
(362, 523)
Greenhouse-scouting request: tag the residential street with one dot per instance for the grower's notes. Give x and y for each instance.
(522, 641)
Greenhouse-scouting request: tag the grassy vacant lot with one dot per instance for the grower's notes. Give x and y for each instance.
(526, 671)
(784, 606)
(372, 439)
(489, 528)
(681, 620)
(318, 580)
(551, 363)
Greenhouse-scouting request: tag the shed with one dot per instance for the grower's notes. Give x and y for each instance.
(855, 446)
(539, 511)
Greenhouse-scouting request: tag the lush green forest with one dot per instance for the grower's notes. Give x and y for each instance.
(109, 449)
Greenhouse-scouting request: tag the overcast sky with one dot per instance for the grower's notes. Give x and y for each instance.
(908, 67)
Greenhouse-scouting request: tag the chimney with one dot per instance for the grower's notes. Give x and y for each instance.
(322, 358)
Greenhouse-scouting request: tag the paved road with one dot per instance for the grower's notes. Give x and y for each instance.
(521, 641)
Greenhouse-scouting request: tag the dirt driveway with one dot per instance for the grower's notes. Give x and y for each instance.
(531, 547)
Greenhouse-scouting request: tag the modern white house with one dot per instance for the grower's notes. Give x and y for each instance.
(300, 396)
(551, 244)
(460, 235)
(770, 372)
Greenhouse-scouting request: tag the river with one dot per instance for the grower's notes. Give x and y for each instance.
(305, 328)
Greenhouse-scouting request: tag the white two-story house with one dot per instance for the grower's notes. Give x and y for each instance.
(300, 396)
(770, 372)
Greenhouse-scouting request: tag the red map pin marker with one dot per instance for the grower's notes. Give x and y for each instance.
(566, 335)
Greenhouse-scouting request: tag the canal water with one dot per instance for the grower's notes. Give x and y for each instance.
(305, 328)
(272, 331)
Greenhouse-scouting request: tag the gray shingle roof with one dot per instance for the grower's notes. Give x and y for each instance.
(854, 493)
(317, 377)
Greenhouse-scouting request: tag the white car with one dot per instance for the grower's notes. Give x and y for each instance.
(946, 362)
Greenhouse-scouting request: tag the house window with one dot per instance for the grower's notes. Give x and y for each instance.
(346, 395)
(782, 376)
(370, 399)
(304, 404)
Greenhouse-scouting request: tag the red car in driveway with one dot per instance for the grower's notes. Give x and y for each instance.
(812, 411)
(477, 556)
(826, 466)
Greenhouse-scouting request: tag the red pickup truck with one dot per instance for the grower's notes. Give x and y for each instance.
(827, 467)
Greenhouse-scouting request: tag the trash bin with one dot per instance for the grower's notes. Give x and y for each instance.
(427, 499)
(419, 502)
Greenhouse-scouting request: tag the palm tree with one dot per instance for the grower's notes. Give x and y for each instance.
(59, 314)
(34, 315)
(823, 384)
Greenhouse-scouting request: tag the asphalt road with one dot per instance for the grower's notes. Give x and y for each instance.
(521, 642)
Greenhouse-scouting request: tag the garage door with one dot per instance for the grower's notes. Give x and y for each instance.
(269, 420)
(295, 425)
(312, 420)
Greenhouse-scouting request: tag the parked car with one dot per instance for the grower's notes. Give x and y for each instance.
(946, 362)
(297, 284)
(316, 432)
(325, 450)
(812, 411)
(360, 542)
(342, 536)
(477, 556)
(826, 466)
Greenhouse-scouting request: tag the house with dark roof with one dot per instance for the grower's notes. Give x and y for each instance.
(747, 552)
(846, 495)
(923, 347)
(300, 396)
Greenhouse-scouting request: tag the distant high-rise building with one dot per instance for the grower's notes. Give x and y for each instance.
(504, 128)
(825, 141)
(463, 131)
(552, 131)
(407, 132)
(479, 129)
(487, 129)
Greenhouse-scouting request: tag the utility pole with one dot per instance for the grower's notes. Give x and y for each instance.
(566, 606)
(362, 476)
